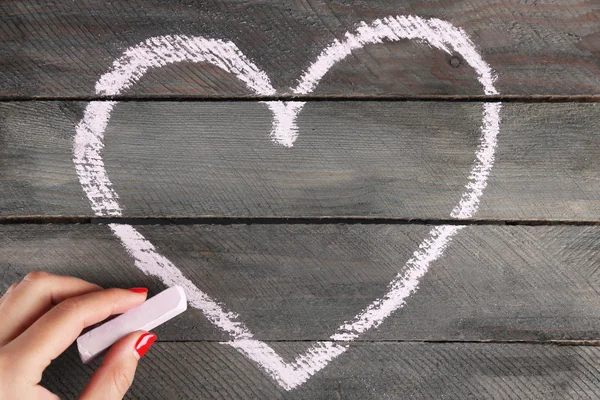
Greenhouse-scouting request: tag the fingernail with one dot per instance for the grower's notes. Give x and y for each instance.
(143, 344)
(139, 290)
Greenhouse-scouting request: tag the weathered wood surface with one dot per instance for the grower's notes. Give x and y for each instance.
(366, 159)
(57, 49)
(201, 370)
(300, 282)
(293, 284)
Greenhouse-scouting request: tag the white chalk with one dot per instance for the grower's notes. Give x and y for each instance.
(148, 315)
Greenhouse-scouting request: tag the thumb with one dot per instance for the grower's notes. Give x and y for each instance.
(114, 377)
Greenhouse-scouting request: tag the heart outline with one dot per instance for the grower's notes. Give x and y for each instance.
(160, 51)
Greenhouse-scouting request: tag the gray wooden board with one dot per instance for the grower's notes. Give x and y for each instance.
(300, 282)
(365, 159)
(201, 370)
(61, 49)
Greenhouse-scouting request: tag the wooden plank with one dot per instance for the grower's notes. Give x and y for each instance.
(202, 370)
(300, 282)
(366, 159)
(54, 49)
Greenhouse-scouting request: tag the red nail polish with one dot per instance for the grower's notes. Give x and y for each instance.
(139, 290)
(143, 344)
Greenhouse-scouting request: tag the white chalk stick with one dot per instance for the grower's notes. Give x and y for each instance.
(148, 315)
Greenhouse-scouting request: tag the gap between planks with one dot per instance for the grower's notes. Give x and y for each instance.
(316, 98)
(217, 220)
(556, 342)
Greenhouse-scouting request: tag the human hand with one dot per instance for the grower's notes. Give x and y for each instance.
(43, 315)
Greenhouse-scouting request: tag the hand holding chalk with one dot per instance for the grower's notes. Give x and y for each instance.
(149, 315)
(42, 316)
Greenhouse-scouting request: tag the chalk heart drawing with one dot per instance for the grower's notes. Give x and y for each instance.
(160, 51)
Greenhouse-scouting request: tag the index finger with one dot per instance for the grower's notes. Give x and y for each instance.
(33, 297)
(56, 330)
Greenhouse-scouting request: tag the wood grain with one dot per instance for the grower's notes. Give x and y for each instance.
(300, 282)
(201, 370)
(362, 159)
(53, 49)
(524, 288)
